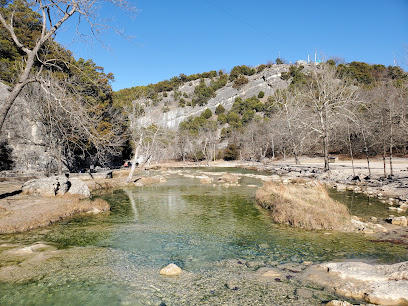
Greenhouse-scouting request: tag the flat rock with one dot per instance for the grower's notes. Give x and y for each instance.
(338, 303)
(401, 221)
(268, 273)
(377, 284)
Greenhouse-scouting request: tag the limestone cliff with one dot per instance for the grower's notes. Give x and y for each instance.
(267, 81)
(23, 137)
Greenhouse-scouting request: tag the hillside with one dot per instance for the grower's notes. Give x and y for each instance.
(169, 113)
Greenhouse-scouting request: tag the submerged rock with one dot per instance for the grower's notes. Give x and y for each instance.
(171, 270)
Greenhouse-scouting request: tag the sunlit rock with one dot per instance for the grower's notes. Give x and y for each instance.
(171, 270)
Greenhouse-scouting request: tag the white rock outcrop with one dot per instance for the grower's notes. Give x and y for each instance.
(376, 284)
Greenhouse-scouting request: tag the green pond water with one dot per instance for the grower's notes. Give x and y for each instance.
(209, 231)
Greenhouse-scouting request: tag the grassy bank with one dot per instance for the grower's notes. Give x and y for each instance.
(303, 206)
(29, 212)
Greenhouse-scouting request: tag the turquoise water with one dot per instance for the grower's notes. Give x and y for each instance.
(114, 258)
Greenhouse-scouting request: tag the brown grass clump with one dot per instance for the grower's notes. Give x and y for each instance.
(308, 207)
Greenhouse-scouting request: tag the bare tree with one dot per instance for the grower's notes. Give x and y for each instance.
(330, 98)
(70, 124)
(53, 14)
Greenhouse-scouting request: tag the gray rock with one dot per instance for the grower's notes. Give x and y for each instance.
(402, 221)
(103, 175)
(49, 186)
(56, 186)
(377, 284)
(78, 187)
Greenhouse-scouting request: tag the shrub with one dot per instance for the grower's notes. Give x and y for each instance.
(219, 109)
(182, 102)
(261, 94)
(203, 93)
(164, 94)
(235, 72)
(278, 61)
(260, 68)
(231, 152)
(239, 82)
(222, 119)
(207, 114)
(220, 82)
(308, 207)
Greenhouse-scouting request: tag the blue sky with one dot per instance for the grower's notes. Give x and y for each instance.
(173, 37)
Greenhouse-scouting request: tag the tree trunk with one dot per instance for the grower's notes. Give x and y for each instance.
(323, 123)
(273, 148)
(391, 145)
(351, 150)
(384, 161)
(135, 157)
(59, 154)
(366, 151)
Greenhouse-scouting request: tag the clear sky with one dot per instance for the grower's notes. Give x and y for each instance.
(194, 36)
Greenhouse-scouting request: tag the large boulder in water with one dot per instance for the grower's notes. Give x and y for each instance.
(56, 186)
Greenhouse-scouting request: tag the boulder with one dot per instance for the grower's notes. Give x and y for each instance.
(171, 270)
(103, 175)
(56, 186)
(78, 187)
(48, 186)
(401, 221)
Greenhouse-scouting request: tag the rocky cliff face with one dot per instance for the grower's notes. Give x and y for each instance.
(267, 81)
(23, 137)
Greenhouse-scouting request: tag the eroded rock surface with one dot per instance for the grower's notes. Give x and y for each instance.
(376, 284)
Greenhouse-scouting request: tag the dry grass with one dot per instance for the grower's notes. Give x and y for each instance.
(308, 207)
(28, 212)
